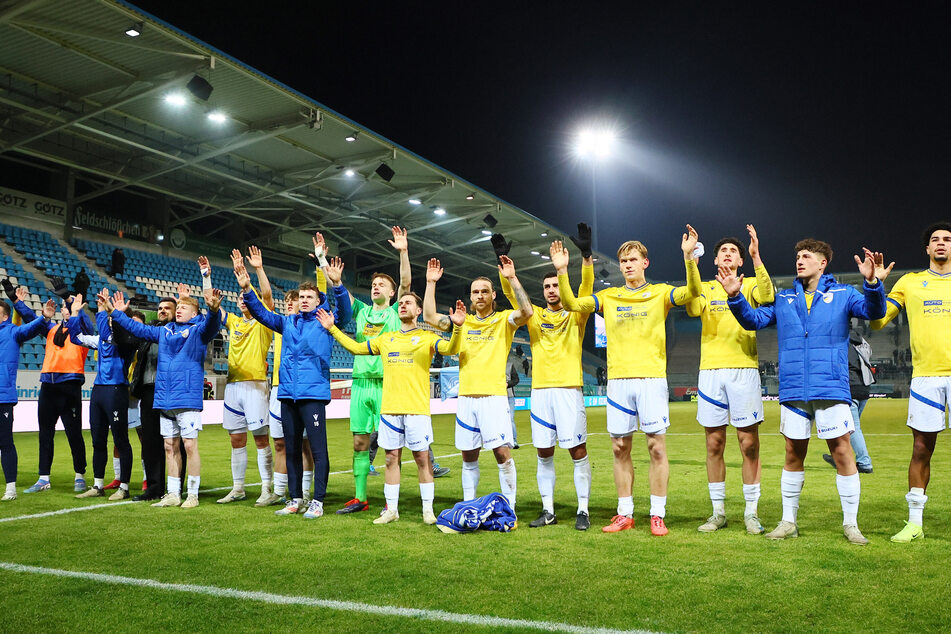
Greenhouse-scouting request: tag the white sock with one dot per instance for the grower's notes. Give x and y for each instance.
(659, 505)
(265, 466)
(239, 466)
(470, 479)
(850, 490)
(916, 505)
(173, 485)
(625, 506)
(124, 486)
(44, 478)
(193, 483)
(391, 493)
(98, 482)
(546, 482)
(115, 467)
(280, 483)
(307, 482)
(583, 483)
(80, 476)
(751, 495)
(427, 492)
(143, 468)
(507, 480)
(717, 497)
(790, 485)
(11, 488)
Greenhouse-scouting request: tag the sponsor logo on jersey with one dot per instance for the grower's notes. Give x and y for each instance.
(474, 332)
(717, 302)
(393, 354)
(623, 309)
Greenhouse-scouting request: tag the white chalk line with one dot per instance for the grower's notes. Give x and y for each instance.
(328, 604)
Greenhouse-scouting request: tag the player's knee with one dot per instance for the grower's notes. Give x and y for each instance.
(578, 452)
(392, 459)
(715, 446)
(279, 446)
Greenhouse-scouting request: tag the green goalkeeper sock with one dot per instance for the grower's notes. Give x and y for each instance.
(361, 469)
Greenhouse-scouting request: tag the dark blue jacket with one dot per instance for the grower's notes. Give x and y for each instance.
(814, 344)
(26, 313)
(11, 338)
(180, 374)
(110, 368)
(305, 346)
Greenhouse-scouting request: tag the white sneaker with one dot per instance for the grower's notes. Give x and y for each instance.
(305, 501)
(854, 535)
(713, 524)
(753, 525)
(783, 530)
(429, 517)
(387, 516)
(314, 510)
(267, 499)
(234, 495)
(290, 508)
(7, 497)
(190, 502)
(169, 499)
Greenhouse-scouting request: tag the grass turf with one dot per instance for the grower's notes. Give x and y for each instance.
(687, 581)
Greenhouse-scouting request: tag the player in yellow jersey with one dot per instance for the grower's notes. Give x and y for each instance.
(634, 317)
(404, 420)
(729, 387)
(246, 389)
(482, 414)
(926, 298)
(557, 404)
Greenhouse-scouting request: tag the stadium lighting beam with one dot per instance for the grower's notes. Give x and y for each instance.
(594, 144)
(216, 116)
(439, 211)
(176, 99)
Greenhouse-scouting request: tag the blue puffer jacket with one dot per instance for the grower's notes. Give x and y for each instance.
(305, 346)
(110, 369)
(180, 374)
(814, 344)
(26, 314)
(11, 338)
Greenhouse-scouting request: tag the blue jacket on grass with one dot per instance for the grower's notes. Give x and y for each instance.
(813, 344)
(490, 512)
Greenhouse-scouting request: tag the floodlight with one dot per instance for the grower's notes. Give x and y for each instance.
(176, 99)
(415, 201)
(486, 232)
(135, 30)
(439, 211)
(216, 116)
(470, 196)
(594, 142)
(349, 172)
(350, 138)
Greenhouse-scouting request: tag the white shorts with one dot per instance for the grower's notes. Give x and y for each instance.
(729, 395)
(134, 418)
(180, 423)
(482, 421)
(637, 403)
(833, 419)
(558, 414)
(246, 407)
(414, 431)
(927, 402)
(274, 415)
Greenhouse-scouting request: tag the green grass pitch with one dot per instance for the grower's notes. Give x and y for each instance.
(687, 581)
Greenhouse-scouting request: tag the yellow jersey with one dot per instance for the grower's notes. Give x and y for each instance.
(248, 343)
(483, 346)
(634, 321)
(406, 356)
(555, 337)
(724, 343)
(926, 298)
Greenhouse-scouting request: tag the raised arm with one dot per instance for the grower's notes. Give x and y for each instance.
(524, 310)
(343, 305)
(457, 318)
(559, 257)
(116, 305)
(210, 326)
(683, 294)
(327, 321)
(401, 244)
(747, 316)
(434, 272)
(583, 241)
(270, 319)
(256, 260)
(29, 330)
(763, 292)
(77, 337)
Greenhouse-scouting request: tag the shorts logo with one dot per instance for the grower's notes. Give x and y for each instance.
(755, 414)
(316, 420)
(665, 419)
(579, 437)
(426, 437)
(502, 436)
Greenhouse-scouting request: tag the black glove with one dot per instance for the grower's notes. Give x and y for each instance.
(9, 290)
(500, 245)
(583, 241)
(59, 287)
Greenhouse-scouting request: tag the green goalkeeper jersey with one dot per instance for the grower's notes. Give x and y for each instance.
(369, 324)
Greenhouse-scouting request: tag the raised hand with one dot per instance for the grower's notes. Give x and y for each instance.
(754, 244)
(320, 247)
(500, 246)
(559, 256)
(583, 241)
(105, 303)
(334, 271)
(255, 260)
(433, 270)
(872, 266)
(241, 274)
(78, 304)
(22, 293)
(507, 267)
(881, 271)
(118, 302)
(49, 309)
(730, 282)
(688, 242)
(458, 316)
(205, 267)
(183, 290)
(399, 241)
(213, 299)
(326, 319)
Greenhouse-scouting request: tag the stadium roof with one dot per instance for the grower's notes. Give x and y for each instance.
(79, 90)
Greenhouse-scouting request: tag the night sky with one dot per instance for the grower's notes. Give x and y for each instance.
(830, 122)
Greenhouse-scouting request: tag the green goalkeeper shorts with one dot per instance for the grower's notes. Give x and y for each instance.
(366, 396)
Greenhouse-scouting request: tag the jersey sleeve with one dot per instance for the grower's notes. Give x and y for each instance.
(589, 304)
(370, 346)
(680, 295)
(587, 280)
(507, 290)
(438, 344)
(762, 292)
(894, 304)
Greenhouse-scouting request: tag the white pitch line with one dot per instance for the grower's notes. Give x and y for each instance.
(328, 604)
(64, 511)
